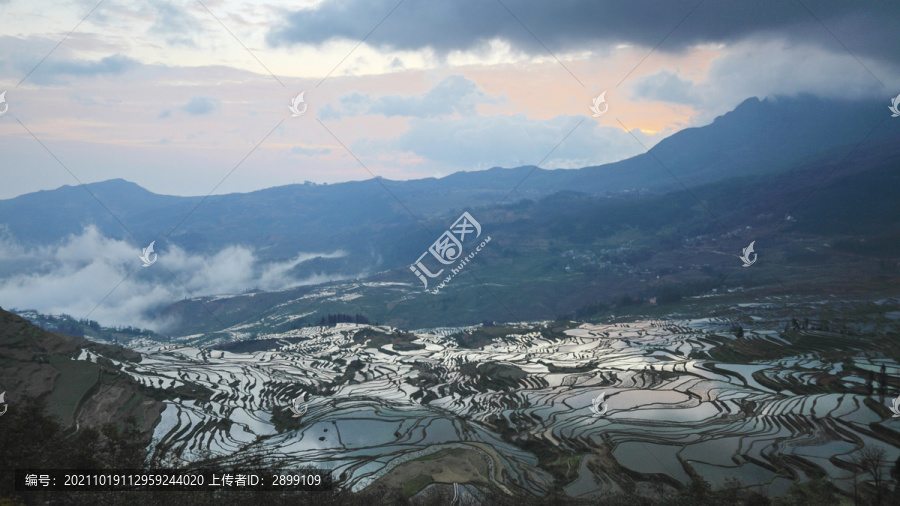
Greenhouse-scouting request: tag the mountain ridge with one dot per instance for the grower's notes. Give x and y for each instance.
(757, 137)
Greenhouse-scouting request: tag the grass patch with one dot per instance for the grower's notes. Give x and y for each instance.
(442, 453)
(402, 341)
(75, 378)
(562, 465)
(130, 404)
(477, 338)
(564, 468)
(413, 486)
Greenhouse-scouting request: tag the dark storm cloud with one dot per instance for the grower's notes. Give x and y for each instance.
(866, 28)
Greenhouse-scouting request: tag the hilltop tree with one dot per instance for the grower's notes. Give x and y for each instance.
(871, 460)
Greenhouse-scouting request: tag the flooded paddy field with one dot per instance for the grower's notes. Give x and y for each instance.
(769, 394)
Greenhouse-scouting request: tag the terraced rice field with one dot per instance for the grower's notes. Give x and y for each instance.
(683, 395)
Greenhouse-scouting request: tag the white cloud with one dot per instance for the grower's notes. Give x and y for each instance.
(201, 105)
(454, 93)
(100, 276)
(480, 142)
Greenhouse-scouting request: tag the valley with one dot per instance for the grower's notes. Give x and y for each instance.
(783, 399)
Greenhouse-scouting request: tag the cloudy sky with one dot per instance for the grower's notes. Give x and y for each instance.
(176, 95)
